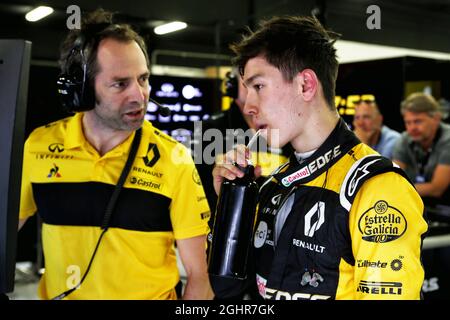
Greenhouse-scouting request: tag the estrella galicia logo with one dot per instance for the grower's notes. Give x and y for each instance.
(152, 155)
(382, 223)
(54, 172)
(56, 147)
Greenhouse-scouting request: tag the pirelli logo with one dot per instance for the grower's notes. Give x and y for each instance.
(380, 288)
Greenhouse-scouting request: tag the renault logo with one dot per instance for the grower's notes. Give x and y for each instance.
(56, 147)
(152, 155)
(316, 214)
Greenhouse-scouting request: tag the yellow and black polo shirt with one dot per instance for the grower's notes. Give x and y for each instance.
(69, 184)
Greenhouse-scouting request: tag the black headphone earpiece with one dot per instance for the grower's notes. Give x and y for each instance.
(231, 85)
(74, 88)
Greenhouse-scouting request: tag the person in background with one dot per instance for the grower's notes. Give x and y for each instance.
(423, 150)
(71, 168)
(369, 128)
(338, 221)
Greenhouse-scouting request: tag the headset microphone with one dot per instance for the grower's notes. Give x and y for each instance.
(231, 85)
(162, 110)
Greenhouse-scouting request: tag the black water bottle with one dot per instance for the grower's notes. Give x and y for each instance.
(233, 226)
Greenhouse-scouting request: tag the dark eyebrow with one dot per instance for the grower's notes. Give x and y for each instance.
(120, 79)
(249, 81)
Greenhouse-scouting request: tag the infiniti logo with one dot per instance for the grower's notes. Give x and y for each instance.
(56, 147)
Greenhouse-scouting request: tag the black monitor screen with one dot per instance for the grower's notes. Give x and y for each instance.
(189, 99)
(14, 71)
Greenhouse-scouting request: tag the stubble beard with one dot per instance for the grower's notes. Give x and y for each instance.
(117, 121)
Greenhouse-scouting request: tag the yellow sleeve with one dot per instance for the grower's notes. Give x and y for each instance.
(189, 211)
(27, 204)
(386, 227)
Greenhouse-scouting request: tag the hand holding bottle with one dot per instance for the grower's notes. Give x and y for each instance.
(229, 166)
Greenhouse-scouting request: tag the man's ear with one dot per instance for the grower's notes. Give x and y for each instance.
(308, 84)
(438, 116)
(381, 120)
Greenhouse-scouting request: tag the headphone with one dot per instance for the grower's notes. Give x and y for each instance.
(231, 85)
(74, 90)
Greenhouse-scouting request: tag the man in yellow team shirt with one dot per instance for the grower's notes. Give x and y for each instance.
(71, 168)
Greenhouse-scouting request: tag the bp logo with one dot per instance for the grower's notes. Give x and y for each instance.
(382, 223)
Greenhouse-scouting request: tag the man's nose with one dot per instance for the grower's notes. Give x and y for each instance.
(410, 126)
(138, 92)
(250, 106)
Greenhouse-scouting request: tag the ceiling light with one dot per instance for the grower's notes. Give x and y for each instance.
(352, 51)
(170, 27)
(38, 13)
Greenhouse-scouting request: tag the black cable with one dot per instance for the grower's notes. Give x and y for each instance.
(109, 210)
(66, 293)
(123, 176)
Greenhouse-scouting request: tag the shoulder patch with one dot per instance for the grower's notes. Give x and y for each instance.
(164, 136)
(51, 124)
(359, 172)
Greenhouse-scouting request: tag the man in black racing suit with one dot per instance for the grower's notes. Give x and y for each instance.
(338, 220)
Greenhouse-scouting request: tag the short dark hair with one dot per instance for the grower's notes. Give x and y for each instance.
(292, 44)
(370, 102)
(97, 25)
